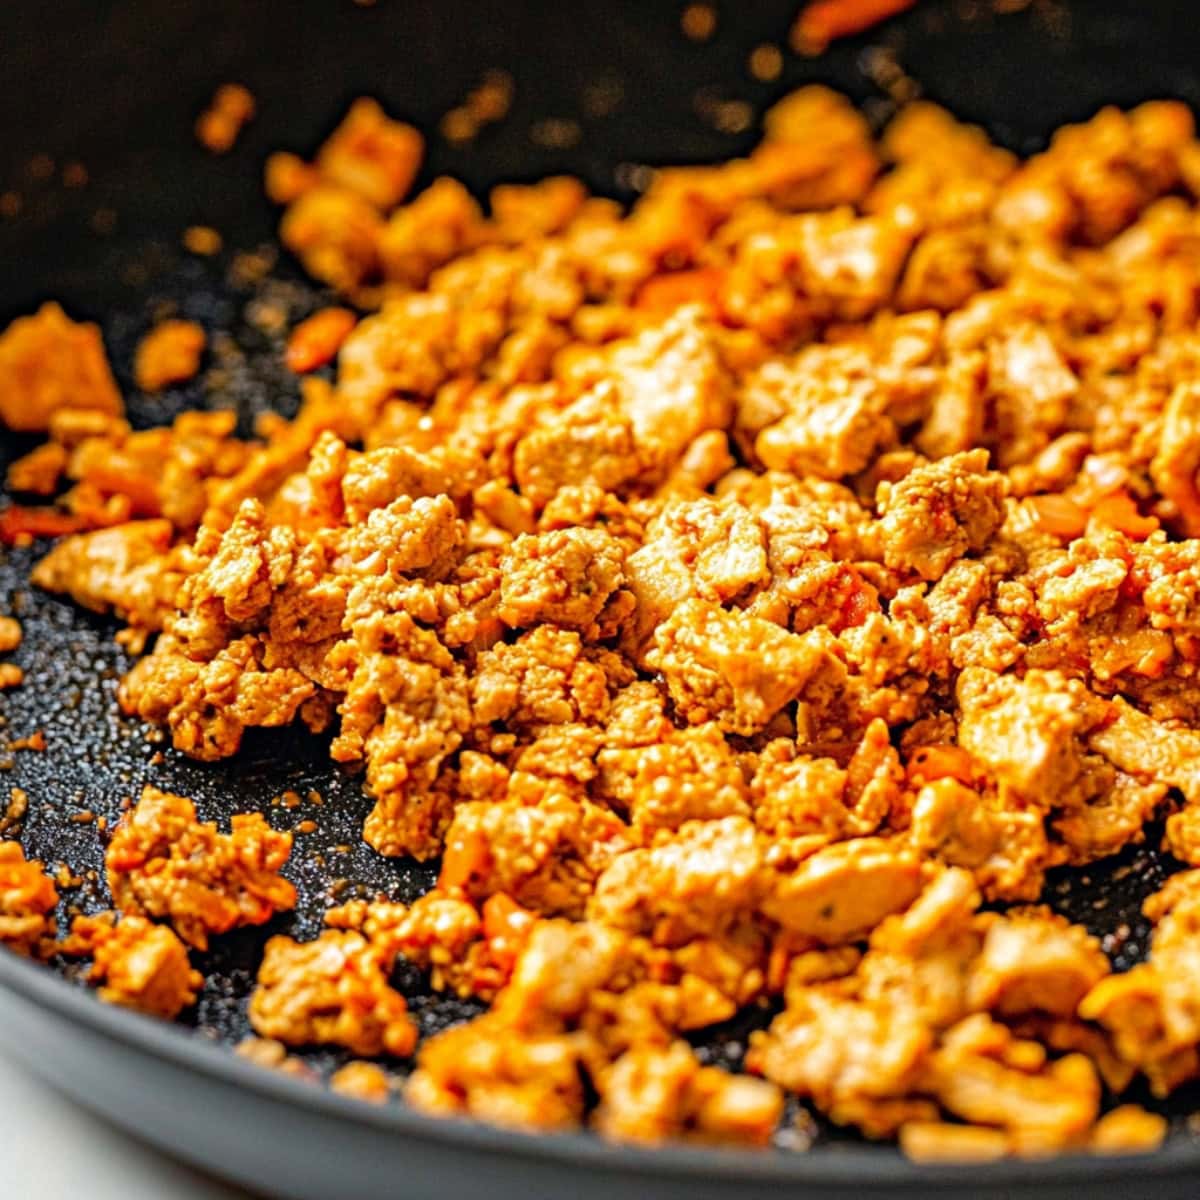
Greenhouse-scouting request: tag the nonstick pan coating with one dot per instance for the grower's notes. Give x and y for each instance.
(117, 88)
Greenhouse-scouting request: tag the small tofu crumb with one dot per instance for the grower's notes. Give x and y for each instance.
(765, 62)
(317, 339)
(170, 353)
(49, 363)
(202, 240)
(1128, 1129)
(458, 126)
(65, 878)
(937, 1141)
(698, 22)
(492, 99)
(39, 471)
(272, 1054)
(287, 177)
(135, 963)
(362, 1081)
(217, 128)
(10, 634)
(18, 805)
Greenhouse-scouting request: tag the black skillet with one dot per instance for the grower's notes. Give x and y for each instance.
(116, 87)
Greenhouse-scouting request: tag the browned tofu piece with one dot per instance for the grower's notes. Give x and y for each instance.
(170, 353)
(845, 890)
(653, 1093)
(27, 900)
(372, 155)
(736, 669)
(162, 862)
(564, 577)
(938, 513)
(136, 963)
(331, 991)
(49, 362)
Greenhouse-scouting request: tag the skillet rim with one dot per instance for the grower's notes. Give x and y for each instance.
(848, 1166)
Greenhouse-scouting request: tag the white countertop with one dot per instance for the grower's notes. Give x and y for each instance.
(55, 1150)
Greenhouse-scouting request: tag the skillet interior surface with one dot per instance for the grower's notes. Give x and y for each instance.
(117, 88)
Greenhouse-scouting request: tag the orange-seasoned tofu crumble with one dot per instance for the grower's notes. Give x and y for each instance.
(169, 353)
(746, 598)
